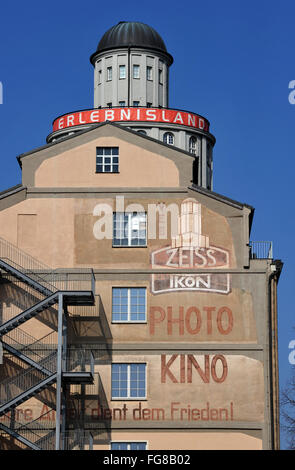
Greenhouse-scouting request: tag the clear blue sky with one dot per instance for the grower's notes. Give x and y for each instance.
(233, 61)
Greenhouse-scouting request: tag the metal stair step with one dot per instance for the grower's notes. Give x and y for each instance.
(27, 314)
(27, 394)
(20, 438)
(25, 278)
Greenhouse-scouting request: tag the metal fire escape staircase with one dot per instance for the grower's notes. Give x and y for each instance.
(39, 367)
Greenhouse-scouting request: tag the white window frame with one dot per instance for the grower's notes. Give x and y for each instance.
(128, 364)
(193, 147)
(129, 226)
(109, 74)
(161, 76)
(136, 71)
(129, 320)
(149, 72)
(169, 138)
(122, 68)
(129, 443)
(112, 164)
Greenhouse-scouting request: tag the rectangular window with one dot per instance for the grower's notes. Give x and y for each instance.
(122, 103)
(149, 73)
(129, 304)
(109, 74)
(129, 229)
(129, 380)
(135, 71)
(107, 159)
(128, 445)
(160, 76)
(99, 76)
(136, 103)
(122, 71)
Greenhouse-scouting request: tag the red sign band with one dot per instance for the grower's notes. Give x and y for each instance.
(95, 116)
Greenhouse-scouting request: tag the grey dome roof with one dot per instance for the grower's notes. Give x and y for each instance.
(131, 33)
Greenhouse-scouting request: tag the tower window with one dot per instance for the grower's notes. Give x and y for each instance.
(209, 173)
(109, 74)
(161, 76)
(122, 71)
(168, 138)
(193, 144)
(99, 76)
(149, 73)
(107, 159)
(135, 71)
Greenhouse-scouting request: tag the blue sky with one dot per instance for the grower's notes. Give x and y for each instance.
(233, 62)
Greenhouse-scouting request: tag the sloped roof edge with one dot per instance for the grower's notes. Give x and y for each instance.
(9, 191)
(221, 198)
(115, 124)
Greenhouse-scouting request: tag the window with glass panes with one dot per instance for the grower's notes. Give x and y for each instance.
(129, 304)
(129, 380)
(128, 445)
(135, 71)
(168, 138)
(149, 73)
(129, 229)
(193, 145)
(109, 73)
(122, 71)
(107, 159)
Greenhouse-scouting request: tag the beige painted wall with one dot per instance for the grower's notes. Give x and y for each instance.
(60, 232)
(196, 440)
(137, 167)
(237, 395)
(204, 402)
(172, 317)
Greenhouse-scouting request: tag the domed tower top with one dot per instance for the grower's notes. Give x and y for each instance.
(132, 34)
(131, 86)
(131, 67)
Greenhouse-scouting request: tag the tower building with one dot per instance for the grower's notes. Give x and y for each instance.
(136, 312)
(131, 87)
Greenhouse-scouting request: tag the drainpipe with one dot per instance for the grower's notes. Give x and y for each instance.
(273, 355)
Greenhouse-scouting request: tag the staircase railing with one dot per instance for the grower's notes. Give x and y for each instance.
(28, 378)
(21, 258)
(261, 250)
(30, 346)
(40, 357)
(53, 280)
(80, 360)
